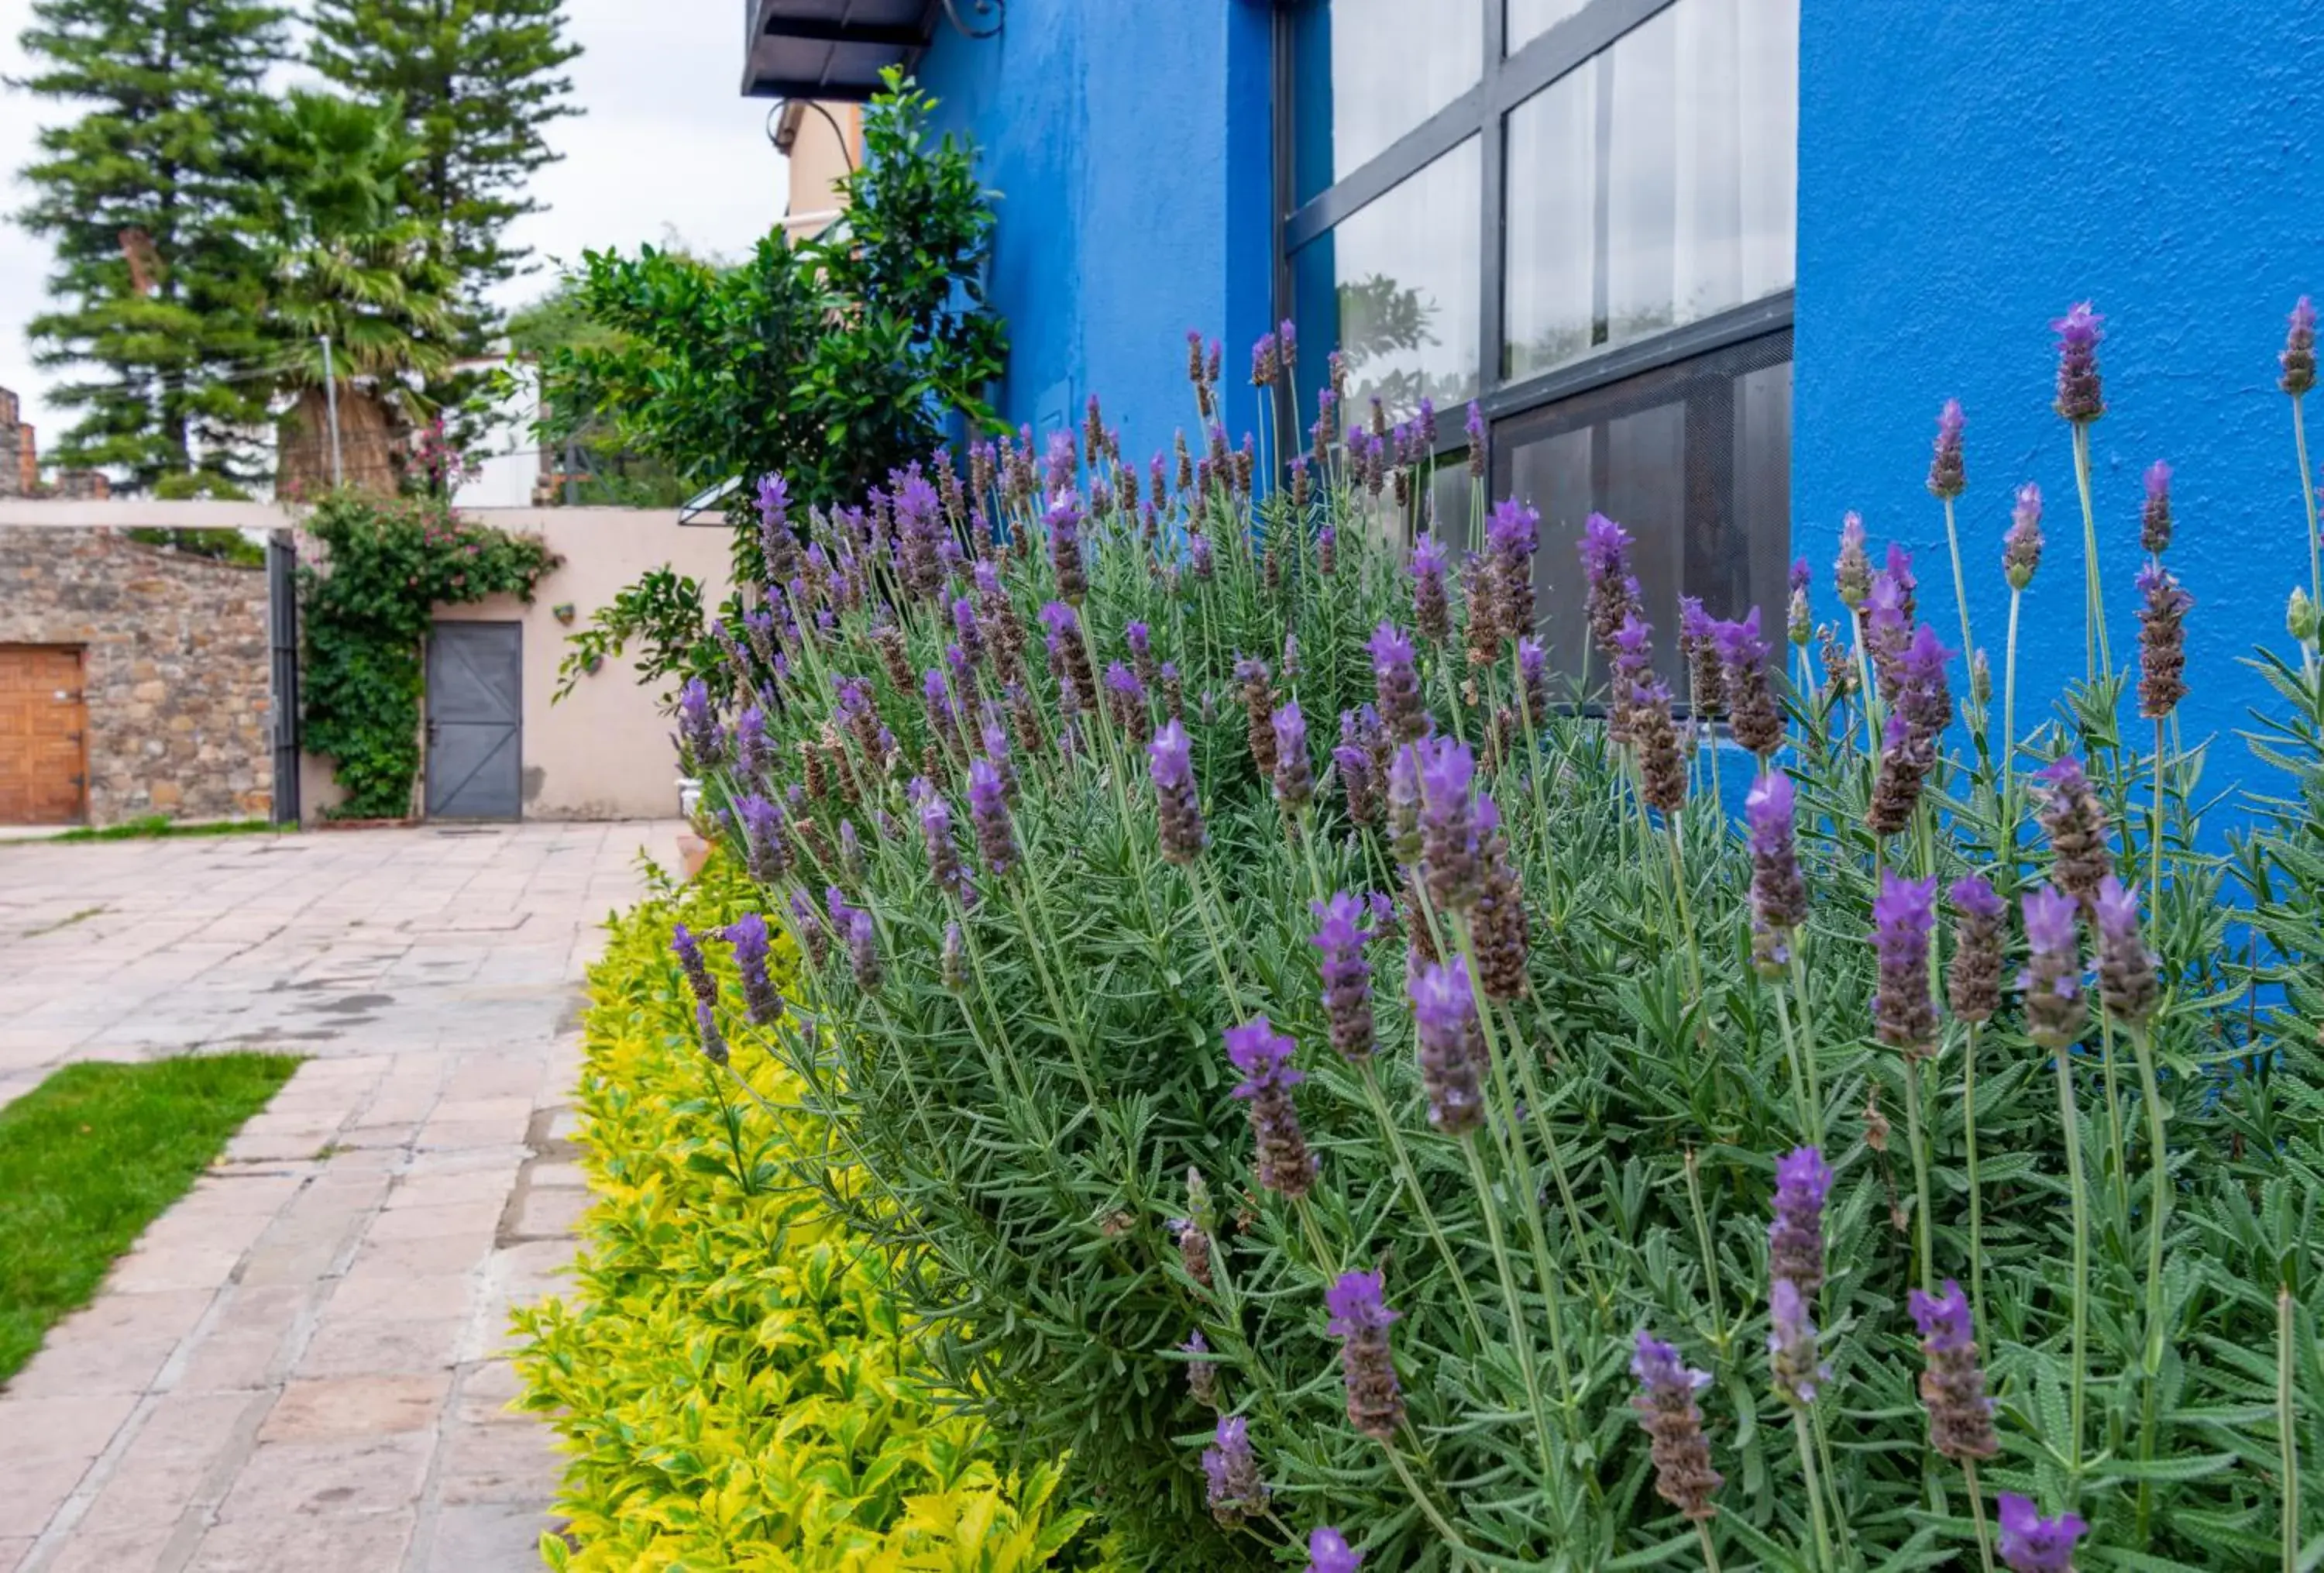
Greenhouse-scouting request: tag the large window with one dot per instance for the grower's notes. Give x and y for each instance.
(1580, 212)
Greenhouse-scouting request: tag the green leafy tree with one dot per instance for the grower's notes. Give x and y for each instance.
(153, 200)
(833, 361)
(479, 81)
(352, 263)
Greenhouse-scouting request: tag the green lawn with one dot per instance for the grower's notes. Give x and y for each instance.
(159, 825)
(91, 1156)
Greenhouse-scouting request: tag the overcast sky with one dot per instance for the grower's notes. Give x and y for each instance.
(668, 144)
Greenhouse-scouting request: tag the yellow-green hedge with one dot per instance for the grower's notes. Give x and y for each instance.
(733, 1381)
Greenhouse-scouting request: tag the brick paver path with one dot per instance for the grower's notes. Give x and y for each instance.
(299, 1367)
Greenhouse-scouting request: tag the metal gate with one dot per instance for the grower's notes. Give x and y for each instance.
(476, 710)
(282, 650)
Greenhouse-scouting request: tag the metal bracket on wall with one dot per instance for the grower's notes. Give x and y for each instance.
(998, 8)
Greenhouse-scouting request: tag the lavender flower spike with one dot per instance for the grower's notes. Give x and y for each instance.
(2080, 397)
(1398, 685)
(1264, 1057)
(1347, 976)
(987, 813)
(1360, 1320)
(2125, 966)
(690, 962)
(1973, 985)
(1328, 1552)
(1295, 774)
(1236, 1489)
(1179, 815)
(2299, 357)
(2154, 513)
(1432, 607)
(1946, 477)
(1792, 1351)
(2030, 1543)
(761, 1001)
(1448, 823)
(1445, 1017)
(2021, 549)
(1779, 898)
(2161, 642)
(1852, 572)
(1668, 1413)
(1961, 1417)
(2052, 982)
(1903, 915)
(764, 852)
(863, 952)
(1795, 1237)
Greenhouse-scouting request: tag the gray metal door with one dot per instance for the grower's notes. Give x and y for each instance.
(475, 700)
(282, 648)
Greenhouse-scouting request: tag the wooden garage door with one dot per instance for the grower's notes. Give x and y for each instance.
(42, 720)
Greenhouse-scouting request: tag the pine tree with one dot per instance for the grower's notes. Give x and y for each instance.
(479, 80)
(151, 200)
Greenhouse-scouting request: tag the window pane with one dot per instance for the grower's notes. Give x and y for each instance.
(1367, 72)
(1654, 185)
(1526, 20)
(1693, 460)
(1553, 163)
(1393, 287)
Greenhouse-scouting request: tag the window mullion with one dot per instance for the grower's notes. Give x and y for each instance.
(1493, 199)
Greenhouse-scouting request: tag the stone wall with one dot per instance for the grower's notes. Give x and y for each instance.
(175, 670)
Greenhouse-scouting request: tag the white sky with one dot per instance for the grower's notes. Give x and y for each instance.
(666, 145)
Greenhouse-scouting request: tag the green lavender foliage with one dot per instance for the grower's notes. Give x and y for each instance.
(1028, 1116)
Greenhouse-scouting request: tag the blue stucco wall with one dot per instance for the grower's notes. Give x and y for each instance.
(1128, 142)
(1967, 175)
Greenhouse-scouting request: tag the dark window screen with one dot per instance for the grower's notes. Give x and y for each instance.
(1693, 459)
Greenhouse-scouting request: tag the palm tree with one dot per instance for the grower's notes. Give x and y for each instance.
(354, 267)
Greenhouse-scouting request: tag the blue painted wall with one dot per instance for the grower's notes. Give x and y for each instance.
(1128, 141)
(1962, 180)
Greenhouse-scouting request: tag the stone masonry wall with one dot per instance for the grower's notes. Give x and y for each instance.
(175, 672)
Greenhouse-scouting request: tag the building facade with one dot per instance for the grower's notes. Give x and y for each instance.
(1709, 266)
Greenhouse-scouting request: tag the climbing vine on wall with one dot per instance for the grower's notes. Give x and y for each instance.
(364, 613)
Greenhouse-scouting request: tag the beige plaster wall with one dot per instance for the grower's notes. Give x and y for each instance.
(604, 751)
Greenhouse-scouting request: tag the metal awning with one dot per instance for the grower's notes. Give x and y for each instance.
(830, 49)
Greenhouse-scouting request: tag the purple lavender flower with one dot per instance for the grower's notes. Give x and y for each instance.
(764, 852)
(2299, 357)
(1127, 697)
(1513, 534)
(1668, 1415)
(1266, 361)
(700, 739)
(2075, 822)
(690, 962)
(2154, 513)
(1179, 815)
(761, 1001)
(1952, 1387)
(1753, 715)
(1796, 1236)
(2021, 549)
(808, 923)
(1236, 1489)
(1139, 638)
(2030, 1543)
(863, 952)
(752, 750)
(1264, 1057)
(1903, 915)
(1347, 976)
(1294, 775)
(1792, 1351)
(2126, 982)
(1065, 525)
(2080, 397)
(777, 546)
(988, 812)
(1533, 679)
(943, 857)
(1448, 823)
(1946, 475)
(1605, 548)
(1445, 1018)
(1432, 611)
(1202, 1370)
(1403, 805)
(1352, 758)
(1361, 1319)
(1973, 984)
(1328, 1552)
(2161, 642)
(1706, 675)
(2052, 982)
(919, 521)
(705, 1027)
(1198, 554)
(1852, 572)
(1396, 685)
(1779, 899)
(1058, 464)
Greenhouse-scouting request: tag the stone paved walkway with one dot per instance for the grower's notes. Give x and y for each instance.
(298, 1365)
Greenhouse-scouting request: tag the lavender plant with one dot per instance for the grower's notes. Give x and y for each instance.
(1462, 1146)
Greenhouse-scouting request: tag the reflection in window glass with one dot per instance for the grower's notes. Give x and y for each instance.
(1369, 70)
(1552, 160)
(1693, 460)
(1526, 20)
(1394, 287)
(1655, 181)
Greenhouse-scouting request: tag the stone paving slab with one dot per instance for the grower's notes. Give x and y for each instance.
(302, 1365)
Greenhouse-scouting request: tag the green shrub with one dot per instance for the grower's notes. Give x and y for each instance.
(734, 1375)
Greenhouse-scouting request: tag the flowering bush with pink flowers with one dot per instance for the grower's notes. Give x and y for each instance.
(1358, 1093)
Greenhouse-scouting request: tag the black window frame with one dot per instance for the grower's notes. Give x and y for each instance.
(1505, 81)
